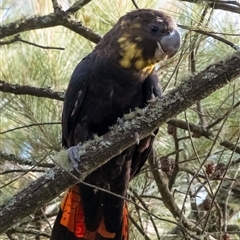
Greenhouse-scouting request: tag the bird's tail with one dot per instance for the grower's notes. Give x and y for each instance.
(69, 224)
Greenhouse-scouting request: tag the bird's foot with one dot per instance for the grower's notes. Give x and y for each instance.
(120, 122)
(137, 137)
(74, 156)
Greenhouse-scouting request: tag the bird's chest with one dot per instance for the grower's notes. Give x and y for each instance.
(111, 99)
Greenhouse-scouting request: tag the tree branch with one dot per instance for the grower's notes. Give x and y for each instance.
(77, 5)
(224, 6)
(56, 6)
(219, 5)
(211, 34)
(23, 161)
(51, 20)
(98, 151)
(33, 91)
(201, 131)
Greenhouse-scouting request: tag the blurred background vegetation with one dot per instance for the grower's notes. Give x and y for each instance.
(26, 152)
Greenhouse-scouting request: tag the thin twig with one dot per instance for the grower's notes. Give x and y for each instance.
(17, 38)
(218, 5)
(203, 132)
(135, 4)
(30, 231)
(37, 45)
(176, 167)
(220, 185)
(14, 39)
(221, 118)
(21, 170)
(209, 34)
(22, 161)
(146, 207)
(30, 125)
(77, 5)
(138, 228)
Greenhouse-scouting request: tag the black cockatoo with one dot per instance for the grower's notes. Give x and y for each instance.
(114, 79)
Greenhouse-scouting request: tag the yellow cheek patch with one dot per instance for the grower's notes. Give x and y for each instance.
(131, 55)
(128, 52)
(125, 63)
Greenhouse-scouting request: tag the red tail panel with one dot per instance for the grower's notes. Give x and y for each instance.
(73, 219)
(125, 224)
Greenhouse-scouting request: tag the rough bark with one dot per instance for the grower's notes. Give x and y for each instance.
(59, 18)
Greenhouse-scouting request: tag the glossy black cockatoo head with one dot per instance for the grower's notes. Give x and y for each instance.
(140, 39)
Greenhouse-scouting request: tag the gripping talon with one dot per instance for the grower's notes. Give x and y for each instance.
(120, 122)
(137, 137)
(74, 156)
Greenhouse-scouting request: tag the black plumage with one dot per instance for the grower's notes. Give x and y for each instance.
(117, 77)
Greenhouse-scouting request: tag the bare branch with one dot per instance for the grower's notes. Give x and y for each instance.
(118, 139)
(145, 236)
(23, 161)
(21, 171)
(14, 39)
(59, 18)
(56, 6)
(33, 91)
(225, 115)
(223, 5)
(167, 197)
(146, 207)
(77, 5)
(29, 231)
(201, 131)
(17, 38)
(37, 45)
(29, 125)
(135, 4)
(211, 34)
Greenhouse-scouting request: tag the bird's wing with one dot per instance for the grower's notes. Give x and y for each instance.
(151, 91)
(74, 98)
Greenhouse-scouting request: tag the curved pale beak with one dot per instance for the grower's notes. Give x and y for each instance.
(167, 46)
(170, 43)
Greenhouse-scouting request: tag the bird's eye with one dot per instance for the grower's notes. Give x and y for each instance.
(154, 29)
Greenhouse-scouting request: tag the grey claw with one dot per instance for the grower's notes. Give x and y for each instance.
(137, 137)
(74, 156)
(120, 122)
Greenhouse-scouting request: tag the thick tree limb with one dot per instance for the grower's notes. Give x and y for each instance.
(48, 93)
(97, 152)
